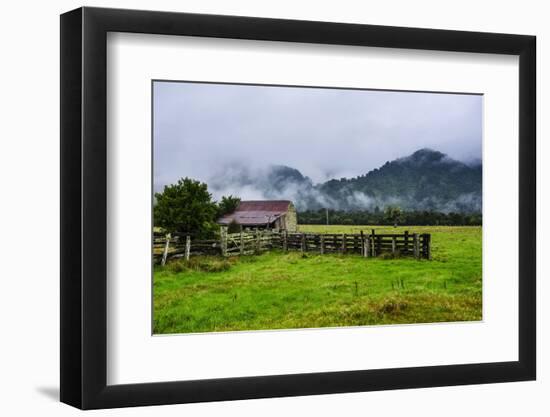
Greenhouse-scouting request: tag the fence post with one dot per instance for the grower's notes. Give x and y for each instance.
(429, 243)
(187, 247)
(393, 243)
(425, 246)
(362, 244)
(343, 243)
(223, 240)
(367, 245)
(373, 233)
(322, 243)
(241, 241)
(303, 243)
(406, 242)
(415, 245)
(165, 253)
(258, 242)
(285, 241)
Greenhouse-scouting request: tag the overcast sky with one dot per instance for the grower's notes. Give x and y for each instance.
(201, 129)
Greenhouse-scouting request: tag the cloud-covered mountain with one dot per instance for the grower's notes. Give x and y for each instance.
(425, 180)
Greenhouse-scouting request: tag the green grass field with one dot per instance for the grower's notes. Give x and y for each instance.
(285, 290)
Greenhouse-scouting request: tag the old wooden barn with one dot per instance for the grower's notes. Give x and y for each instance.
(263, 214)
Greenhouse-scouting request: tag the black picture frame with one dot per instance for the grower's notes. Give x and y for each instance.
(84, 207)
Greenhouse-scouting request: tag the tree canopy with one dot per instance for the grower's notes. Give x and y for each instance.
(377, 217)
(186, 207)
(227, 205)
(393, 215)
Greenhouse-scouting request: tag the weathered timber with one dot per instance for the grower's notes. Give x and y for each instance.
(223, 241)
(344, 243)
(166, 246)
(241, 241)
(258, 241)
(187, 247)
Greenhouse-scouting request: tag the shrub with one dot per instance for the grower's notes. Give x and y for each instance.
(233, 227)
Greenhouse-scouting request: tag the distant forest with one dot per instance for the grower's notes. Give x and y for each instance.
(378, 217)
(426, 181)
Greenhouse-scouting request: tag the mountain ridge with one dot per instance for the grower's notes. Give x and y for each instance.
(426, 180)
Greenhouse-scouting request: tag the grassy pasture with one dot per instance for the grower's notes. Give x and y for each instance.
(285, 290)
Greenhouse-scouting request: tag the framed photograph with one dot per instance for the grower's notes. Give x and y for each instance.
(259, 208)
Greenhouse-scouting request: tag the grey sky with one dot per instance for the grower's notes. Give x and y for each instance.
(202, 129)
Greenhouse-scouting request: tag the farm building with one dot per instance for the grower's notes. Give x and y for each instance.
(265, 214)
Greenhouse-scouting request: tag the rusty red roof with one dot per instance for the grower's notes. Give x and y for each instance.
(256, 212)
(264, 205)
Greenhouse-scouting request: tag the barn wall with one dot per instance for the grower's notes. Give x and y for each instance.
(291, 219)
(279, 223)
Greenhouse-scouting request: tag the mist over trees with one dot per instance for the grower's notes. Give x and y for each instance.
(425, 188)
(427, 180)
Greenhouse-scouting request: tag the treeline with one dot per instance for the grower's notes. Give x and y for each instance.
(406, 218)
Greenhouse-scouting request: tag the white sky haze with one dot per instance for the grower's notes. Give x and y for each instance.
(201, 129)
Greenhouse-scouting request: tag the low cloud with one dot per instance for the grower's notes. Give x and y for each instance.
(326, 133)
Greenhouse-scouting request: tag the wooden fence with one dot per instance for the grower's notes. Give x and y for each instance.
(248, 243)
(366, 244)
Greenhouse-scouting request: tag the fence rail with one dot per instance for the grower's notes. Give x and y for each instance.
(248, 243)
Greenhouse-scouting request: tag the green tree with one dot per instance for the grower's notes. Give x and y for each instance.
(393, 215)
(186, 207)
(227, 205)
